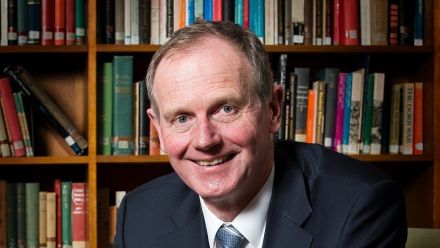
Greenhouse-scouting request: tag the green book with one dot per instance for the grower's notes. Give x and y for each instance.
(122, 121)
(368, 121)
(32, 215)
(105, 89)
(80, 30)
(21, 215)
(66, 214)
(12, 215)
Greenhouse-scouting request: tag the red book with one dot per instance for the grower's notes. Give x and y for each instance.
(60, 24)
(350, 23)
(11, 118)
(59, 233)
(246, 14)
(70, 22)
(47, 22)
(217, 10)
(78, 215)
(418, 118)
(337, 20)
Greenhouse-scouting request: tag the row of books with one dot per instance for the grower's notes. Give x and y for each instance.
(16, 132)
(34, 218)
(344, 111)
(278, 22)
(42, 22)
(123, 125)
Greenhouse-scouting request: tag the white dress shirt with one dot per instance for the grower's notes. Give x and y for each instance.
(250, 222)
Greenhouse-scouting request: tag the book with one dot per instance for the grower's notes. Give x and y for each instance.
(21, 215)
(290, 105)
(311, 117)
(367, 115)
(406, 145)
(3, 213)
(377, 118)
(355, 112)
(109, 21)
(4, 142)
(80, 25)
(78, 208)
(22, 22)
(301, 95)
(339, 121)
(103, 205)
(34, 21)
(11, 118)
(154, 143)
(51, 219)
(393, 22)
(144, 21)
(3, 23)
(330, 76)
(406, 22)
(105, 86)
(374, 22)
(23, 123)
(350, 24)
(418, 118)
(297, 13)
(418, 22)
(59, 215)
(127, 22)
(347, 112)
(154, 23)
(144, 121)
(319, 87)
(119, 22)
(395, 119)
(32, 214)
(134, 22)
(41, 100)
(12, 22)
(12, 218)
(70, 22)
(66, 214)
(42, 230)
(122, 123)
(47, 22)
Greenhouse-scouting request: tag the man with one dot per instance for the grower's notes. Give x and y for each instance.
(216, 109)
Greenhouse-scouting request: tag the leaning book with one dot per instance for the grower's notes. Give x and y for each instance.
(41, 100)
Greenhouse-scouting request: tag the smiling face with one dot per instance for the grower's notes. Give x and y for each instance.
(217, 140)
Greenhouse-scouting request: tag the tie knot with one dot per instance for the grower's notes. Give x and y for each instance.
(229, 237)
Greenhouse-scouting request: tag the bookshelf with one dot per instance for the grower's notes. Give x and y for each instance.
(69, 74)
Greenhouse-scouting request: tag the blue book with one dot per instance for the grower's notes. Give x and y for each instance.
(190, 14)
(207, 10)
(347, 113)
(239, 12)
(259, 28)
(418, 23)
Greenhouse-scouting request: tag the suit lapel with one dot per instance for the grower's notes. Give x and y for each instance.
(289, 207)
(190, 226)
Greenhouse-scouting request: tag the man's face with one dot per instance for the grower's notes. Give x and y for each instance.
(217, 141)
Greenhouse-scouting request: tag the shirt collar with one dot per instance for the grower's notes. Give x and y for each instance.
(250, 222)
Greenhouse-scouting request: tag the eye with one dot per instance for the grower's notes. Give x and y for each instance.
(227, 109)
(182, 119)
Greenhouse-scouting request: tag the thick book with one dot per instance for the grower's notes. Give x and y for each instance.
(350, 25)
(374, 22)
(303, 79)
(32, 214)
(78, 207)
(406, 146)
(41, 100)
(34, 21)
(377, 114)
(122, 128)
(11, 118)
(418, 118)
(70, 22)
(105, 94)
(47, 22)
(60, 22)
(3, 213)
(12, 238)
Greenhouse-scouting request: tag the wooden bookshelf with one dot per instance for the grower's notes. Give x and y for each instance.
(69, 74)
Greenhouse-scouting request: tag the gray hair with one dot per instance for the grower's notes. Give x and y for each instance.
(260, 85)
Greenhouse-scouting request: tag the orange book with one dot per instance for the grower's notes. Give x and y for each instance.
(418, 118)
(154, 141)
(60, 24)
(182, 20)
(11, 118)
(310, 129)
(57, 189)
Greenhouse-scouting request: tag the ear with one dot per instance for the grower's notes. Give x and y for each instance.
(275, 106)
(155, 121)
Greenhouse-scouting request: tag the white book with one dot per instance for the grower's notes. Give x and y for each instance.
(127, 22)
(298, 18)
(135, 22)
(376, 127)
(176, 15)
(269, 22)
(4, 22)
(154, 36)
(42, 218)
(365, 9)
(51, 219)
(162, 21)
(357, 89)
(406, 146)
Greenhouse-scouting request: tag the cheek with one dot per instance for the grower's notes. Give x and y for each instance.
(175, 144)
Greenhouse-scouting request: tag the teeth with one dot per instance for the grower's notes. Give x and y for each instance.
(212, 162)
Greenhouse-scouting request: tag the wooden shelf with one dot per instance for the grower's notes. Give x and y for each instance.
(394, 158)
(132, 159)
(44, 49)
(68, 160)
(126, 48)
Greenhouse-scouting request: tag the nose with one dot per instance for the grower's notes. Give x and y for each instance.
(206, 136)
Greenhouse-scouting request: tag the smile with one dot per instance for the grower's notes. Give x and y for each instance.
(213, 162)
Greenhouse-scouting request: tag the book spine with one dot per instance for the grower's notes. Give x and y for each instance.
(380, 23)
(228, 10)
(238, 12)
(136, 117)
(80, 25)
(26, 133)
(155, 33)
(34, 24)
(3, 214)
(298, 22)
(154, 143)
(78, 215)
(310, 116)
(32, 213)
(109, 21)
(303, 75)
(12, 22)
(418, 23)
(21, 215)
(105, 82)
(268, 17)
(217, 10)
(356, 112)
(144, 22)
(331, 78)
(48, 108)
(119, 22)
(12, 221)
(246, 14)
(163, 21)
(368, 118)
(406, 22)
(60, 23)
(4, 142)
(143, 122)
(127, 22)
(122, 134)
(418, 118)
(407, 119)
(339, 122)
(70, 22)
(308, 22)
(377, 120)
(3, 23)
(47, 22)
(207, 10)
(347, 112)
(22, 20)
(395, 119)
(169, 19)
(59, 215)
(51, 220)
(393, 22)
(292, 82)
(11, 118)
(66, 213)
(42, 219)
(350, 23)
(198, 9)
(190, 12)
(319, 129)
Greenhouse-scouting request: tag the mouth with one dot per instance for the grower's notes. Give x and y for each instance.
(214, 162)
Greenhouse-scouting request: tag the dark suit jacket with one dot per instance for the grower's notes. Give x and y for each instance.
(320, 199)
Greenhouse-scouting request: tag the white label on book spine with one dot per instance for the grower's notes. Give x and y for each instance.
(18, 145)
(80, 31)
(69, 140)
(327, 142)
(119, 35)
(34, 34)
(59, 35)
(123, 144)
(419, 146)
(47, 35)
(12, 36)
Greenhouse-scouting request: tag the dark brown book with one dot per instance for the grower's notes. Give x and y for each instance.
(12, 22)
(109, 17)
(308, 22)
(144, 21)
(393, 22)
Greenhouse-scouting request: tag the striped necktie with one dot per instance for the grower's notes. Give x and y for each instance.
(229, 237)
